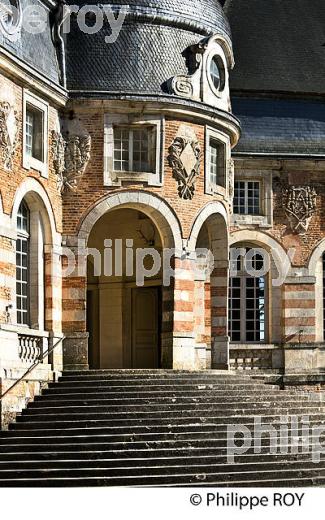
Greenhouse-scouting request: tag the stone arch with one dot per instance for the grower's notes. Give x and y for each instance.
(280, 266)
(37, 198)
(154, 207)
(280, 256)
(45, 271)
(315, 256)
(315, 269)
(210, 213)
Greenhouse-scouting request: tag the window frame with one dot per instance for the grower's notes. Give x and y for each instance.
(210, 187)
(243, 277)
(217, 53)
(114, 177)
(265, 218)
(30, 162)
(246, 198)
(151, 139)
(23, 235)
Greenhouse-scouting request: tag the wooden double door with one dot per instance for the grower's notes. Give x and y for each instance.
(134, 326)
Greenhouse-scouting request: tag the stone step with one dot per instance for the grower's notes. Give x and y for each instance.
(29, 430)
(141, 440)
(171, 409)
(125, 457)
(222, 385)
(61, 389)
(187, 401)
(167, 419)
(158, 374)
(156, 425)
(272, 478)
(68, 444)
(251, 461)
(301, 467)
(50, 396)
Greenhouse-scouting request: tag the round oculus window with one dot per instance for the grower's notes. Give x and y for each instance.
(217, 73)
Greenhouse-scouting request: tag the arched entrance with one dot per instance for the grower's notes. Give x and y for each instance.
(124, 290)
(146, 222)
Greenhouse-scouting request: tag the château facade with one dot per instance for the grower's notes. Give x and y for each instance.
(145, 151)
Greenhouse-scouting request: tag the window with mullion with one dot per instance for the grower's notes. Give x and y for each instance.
(247, 198)
(247, 306)
(134, 149)
(216, 162)
(34, 145)
(22, 265)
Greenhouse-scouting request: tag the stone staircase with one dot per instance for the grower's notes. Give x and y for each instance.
(154, 428)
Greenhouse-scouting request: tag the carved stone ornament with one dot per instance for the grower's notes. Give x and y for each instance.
(299, 203)
(71, 154)
(11, 19)
(189, 86)
(231, 177)
(185, 159)
(8, 133)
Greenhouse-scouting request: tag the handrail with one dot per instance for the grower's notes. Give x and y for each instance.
(34, 365)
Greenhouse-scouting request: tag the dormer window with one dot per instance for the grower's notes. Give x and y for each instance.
(217, 73)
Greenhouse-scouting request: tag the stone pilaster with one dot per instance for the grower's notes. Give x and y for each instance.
(219, 315)
(183, 327)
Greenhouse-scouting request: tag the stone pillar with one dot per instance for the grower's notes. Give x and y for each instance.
(74, 285)
(53, 302)
(7, 278)
(167, 326)
(199, 323)
(219, 315)
(299, 324)
(183, 330)
(207, 322)
(299, 313)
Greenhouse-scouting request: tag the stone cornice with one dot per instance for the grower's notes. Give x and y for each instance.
(165, 105)
(27, 76)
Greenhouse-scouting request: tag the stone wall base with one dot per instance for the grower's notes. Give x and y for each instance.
(23, 393)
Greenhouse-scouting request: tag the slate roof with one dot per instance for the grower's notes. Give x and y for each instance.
(149, 49)
(280, 126)
(205, 15)
(279, 45)
(36, 50)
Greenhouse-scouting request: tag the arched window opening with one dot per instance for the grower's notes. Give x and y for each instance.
(23, 265)
(247, 297)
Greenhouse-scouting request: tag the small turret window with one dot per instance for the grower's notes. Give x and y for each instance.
(216, 162)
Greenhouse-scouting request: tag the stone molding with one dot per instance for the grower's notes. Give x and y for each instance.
(8, 133)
